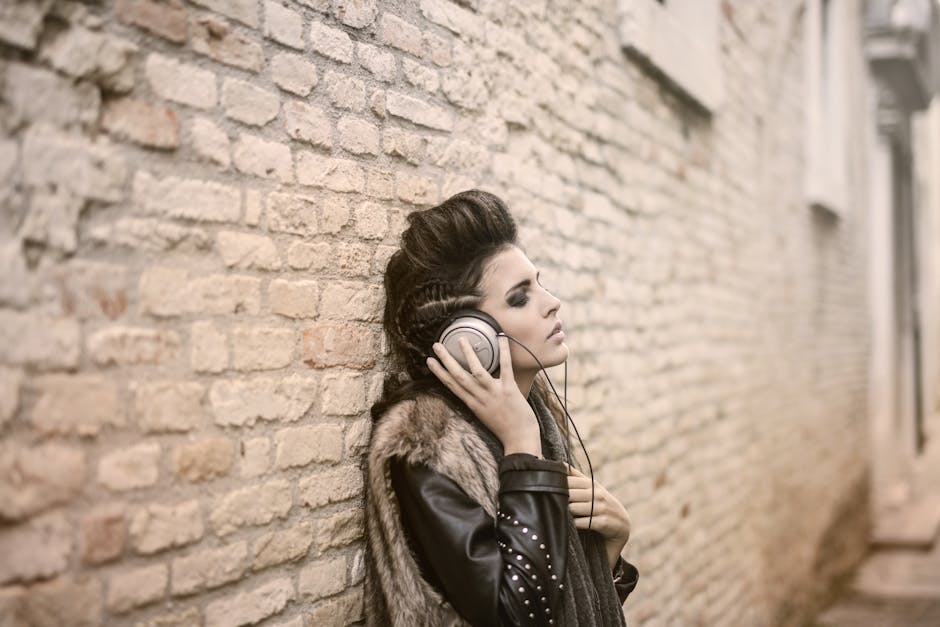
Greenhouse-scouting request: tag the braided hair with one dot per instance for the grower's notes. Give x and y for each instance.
(435, 273)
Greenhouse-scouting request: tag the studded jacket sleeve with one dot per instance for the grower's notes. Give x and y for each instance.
(507, 571)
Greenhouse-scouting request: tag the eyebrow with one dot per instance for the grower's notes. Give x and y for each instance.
(524, 283)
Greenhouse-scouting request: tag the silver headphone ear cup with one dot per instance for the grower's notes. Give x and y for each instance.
(482, 338)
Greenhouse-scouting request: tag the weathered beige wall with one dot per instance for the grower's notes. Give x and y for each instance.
(198, 201)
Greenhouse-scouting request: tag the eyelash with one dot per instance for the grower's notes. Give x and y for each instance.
(522, 299)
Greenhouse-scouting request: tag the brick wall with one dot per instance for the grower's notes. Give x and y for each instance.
(198, 201)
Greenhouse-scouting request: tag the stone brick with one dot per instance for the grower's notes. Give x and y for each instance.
(209, 569)
(134, 588)
(241, 403)
(330, 486)
(262, 348)
(299, 446)
(211, 142)
(164, 18)
(322, 578)
(255, 457)
(73, 164)
(345, 92)
(253, 207)
(420, 76)
(83, 53)
(181, 82)
(438, 49)
(66, 600)
(294, 299)
(35, 94)
(224, 294)
(378, 61)
(278, 547)
(204, 459)
(10, 383)
(21, 22)
(156, 527)
(356, 13)
(83, 404)
(417, 190)
(212, 36)
(371, 220)
(125, 346)
(323, 6)
(338, 175)
(380, 184)
(358, 136)
(293, 73)
(38, 549)
(331, 42)
(328, 345)
(185, 618)
(351, 301)
(359, 432)
(297, 621)
(345, 609)
(453, 17)
(291, 213)
(247, 251)
(400, 143)
(209, 352)
(308, 124)
(33, 478)
(170, 406)
(398, 33)
(343, 394)
(245, 11)
(377, 103)
(187, 198)
(252, 606)
(419, 111)
(142, 122)
(258, 157)
(52, 219)
(348, 258)
(251, 505)
(246, 103)
(151, 234)
(89, 289)
(130, 468)
(283, 25)
(104, 531)
(339, 529)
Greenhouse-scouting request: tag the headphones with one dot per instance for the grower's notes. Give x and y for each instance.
(481, 330)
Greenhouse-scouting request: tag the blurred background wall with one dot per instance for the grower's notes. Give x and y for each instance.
(199, 197)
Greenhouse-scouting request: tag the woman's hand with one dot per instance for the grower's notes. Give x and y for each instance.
(498, 403)
(611, 519)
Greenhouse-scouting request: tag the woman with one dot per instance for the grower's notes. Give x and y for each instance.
(472, 516)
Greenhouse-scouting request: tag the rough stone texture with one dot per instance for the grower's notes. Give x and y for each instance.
(130, 468)
(328, 345)
(186, 198)
(262, 348)
(164, 406)
(215, 38)
(255, 457)
(243, 250)
(142, 122)
(245, 11)
(37, 550)
(342, 394)
(181, 82)
(246, 103)
(164, 18)
(204, 460)
(125, 346)
(299, 446)
(253, 505)
(157, 527)
(293, 73)
(339, 530)
(264, 159)
(322, 578)
(62, 601)
(338, 611)
(330, 486)
(331, 42)
(133, 588)
(308, 124)
(293, 299)
(104, 531)
(209, 348)
(251, 606)
(37, 477)
(82, 404)
(242, 402)
(283, 25)
(278, 547)
(201, 570)
(12, 380)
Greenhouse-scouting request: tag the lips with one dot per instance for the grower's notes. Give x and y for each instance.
(555, 329)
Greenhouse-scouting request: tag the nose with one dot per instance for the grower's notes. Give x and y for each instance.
(554, 303)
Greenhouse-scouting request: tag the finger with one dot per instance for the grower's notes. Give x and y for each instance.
(581, 494)
(454, 369)
(583, 522)
(582, 509)
(505, 359)
(574, 471)
(476, 368)
(578, 482)
(449, 382)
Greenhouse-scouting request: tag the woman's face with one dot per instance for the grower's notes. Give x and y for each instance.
(524, 309)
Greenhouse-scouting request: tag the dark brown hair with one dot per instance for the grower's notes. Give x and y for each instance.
(435, 273)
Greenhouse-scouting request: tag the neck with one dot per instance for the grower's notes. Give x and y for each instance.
(524, 380)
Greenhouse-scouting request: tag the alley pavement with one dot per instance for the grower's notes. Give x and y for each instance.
(892, 588)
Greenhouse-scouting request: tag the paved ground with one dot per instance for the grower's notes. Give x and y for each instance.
(893, 588)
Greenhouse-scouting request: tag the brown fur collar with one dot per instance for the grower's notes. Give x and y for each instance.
(428, 431)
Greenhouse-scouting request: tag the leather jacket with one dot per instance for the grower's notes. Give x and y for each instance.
(504, 572)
